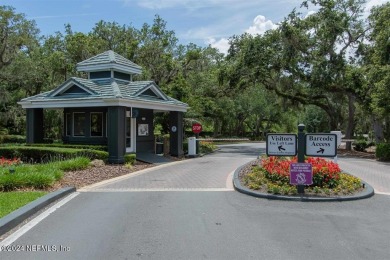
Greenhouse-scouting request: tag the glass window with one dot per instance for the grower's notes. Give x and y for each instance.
(68, 124)
(79, 124)
(97, 124)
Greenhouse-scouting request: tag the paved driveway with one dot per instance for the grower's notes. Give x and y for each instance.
(212, 172)
(151, 216)
(375, 173)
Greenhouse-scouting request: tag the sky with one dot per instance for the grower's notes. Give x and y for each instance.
(203, 22)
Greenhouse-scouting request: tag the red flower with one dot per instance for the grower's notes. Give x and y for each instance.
(324, 171)
(9, 162)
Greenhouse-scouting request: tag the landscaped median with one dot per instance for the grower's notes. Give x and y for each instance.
(269, 177)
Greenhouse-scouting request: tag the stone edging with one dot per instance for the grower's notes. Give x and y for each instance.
(16, 217)
(366, 193)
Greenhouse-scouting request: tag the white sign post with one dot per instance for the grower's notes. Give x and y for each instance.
(281, 145)
(321, 145)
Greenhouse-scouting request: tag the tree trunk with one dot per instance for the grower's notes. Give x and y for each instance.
(257, 129)
(216, 127)
(333, 119)
(351, 120)
(378, 129)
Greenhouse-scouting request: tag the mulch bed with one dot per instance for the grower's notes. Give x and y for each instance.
(95, 174)
(356, 154)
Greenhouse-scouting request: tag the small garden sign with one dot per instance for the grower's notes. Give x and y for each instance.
(301, 174)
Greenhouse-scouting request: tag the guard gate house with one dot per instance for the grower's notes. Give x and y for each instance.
(108, 108)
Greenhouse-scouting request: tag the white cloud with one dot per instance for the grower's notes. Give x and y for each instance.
(261, 25)
(311, 12)
(222, 44)
(217, 20)
(371, 3)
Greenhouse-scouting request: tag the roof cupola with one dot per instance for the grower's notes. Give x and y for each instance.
(109, 65)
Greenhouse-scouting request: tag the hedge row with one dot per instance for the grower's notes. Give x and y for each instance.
(76, 146)
(6, 139)
(47, 154)
(382, 152)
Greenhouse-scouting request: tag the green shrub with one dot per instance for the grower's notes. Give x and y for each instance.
(75, 146)
(360, 145)
(383, 151)
(207, 147)
(40, 180)
(93, 154)
(130, 158)
(10, 182)
(185, 147)
(79, 163)
(3, 131)
(48, 154)
(58, 175)
(8, 139)
(38, 176)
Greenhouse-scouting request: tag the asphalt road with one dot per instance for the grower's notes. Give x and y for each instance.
(111, 222)
(377, 174)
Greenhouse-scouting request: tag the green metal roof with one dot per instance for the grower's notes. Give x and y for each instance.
(76, 92)
(106, 89)
(109, 60)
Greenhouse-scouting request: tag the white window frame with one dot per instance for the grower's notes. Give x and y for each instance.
(133, 135)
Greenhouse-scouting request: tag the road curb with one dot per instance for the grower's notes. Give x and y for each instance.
(16, 217)
(366, 193)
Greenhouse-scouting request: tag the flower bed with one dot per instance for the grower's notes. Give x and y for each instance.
(272, 175)
(4, 162)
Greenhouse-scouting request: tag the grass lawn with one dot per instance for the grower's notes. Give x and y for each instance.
(10, 201)
(36, 176)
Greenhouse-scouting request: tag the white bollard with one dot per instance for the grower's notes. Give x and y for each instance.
(191, 146)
